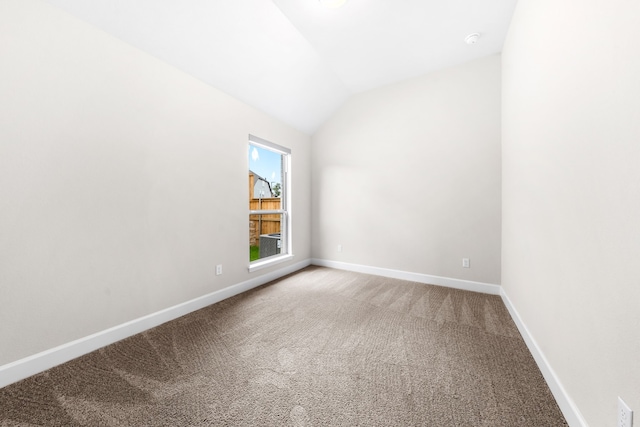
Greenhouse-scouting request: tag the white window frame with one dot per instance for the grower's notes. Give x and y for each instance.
(286, 251)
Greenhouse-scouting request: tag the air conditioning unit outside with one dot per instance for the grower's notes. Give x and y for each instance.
(269, 245)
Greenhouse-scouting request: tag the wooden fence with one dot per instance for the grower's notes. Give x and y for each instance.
(263, 224)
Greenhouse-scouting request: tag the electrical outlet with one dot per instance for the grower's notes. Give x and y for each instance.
(625, 414)
(339, 248)
(465, 263)
(218, 269)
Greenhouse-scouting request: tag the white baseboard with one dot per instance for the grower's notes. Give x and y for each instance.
(40, 362)
(567, 406)
(467, 285)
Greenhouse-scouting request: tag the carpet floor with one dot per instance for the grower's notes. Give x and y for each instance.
(320, 347)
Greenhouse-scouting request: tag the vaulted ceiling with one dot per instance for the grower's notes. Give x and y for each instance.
(295, 59)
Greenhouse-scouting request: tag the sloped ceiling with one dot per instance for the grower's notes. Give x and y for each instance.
(295, 59)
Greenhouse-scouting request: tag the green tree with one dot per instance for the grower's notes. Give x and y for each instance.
(277, 189)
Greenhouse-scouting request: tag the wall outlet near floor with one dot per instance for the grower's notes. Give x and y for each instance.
(625, 414)
(218, 269)
(339, 248)
(465, 263)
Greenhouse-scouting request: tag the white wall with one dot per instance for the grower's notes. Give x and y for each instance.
(571, 193)
(123, 181)
(407, 176)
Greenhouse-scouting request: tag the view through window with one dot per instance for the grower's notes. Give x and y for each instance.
(269, 229)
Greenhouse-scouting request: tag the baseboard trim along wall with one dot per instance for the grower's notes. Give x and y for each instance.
(467, 285)
(32, 365)
(567, 406)
(40, 362)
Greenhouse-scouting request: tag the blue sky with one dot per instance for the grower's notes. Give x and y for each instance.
(265, 163)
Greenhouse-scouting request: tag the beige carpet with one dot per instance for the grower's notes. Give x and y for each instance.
(321, 347)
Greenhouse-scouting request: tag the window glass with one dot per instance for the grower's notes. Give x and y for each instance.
(269, 225)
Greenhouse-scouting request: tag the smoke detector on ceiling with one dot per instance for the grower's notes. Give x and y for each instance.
(472, 38)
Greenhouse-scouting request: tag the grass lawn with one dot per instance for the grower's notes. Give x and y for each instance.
(254, 253)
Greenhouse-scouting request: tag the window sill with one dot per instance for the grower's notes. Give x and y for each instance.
(259, 265)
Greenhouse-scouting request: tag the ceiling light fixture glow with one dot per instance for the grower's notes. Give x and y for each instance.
(332, 4)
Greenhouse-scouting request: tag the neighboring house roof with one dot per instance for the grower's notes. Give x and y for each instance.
(261, 187)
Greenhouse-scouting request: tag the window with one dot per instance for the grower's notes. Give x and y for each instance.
(269, 208)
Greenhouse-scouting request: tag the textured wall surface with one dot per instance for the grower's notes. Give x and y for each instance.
(123, 182)
(407, 176)
(571, 187)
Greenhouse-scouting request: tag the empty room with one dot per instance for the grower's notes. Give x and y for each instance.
(319, 212)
